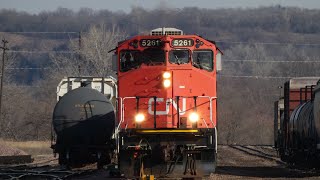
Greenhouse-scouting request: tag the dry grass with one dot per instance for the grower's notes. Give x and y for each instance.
(30, 147)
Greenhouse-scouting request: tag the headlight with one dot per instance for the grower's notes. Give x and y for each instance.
(139, 118)
(194, 117)
(166, 75)
(166, 83)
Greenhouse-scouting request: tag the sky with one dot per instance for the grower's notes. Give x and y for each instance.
(36, 6)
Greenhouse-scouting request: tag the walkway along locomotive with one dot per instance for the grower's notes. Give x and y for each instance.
(167, 104)
(297, 122)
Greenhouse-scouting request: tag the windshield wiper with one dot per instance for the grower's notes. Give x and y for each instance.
(178, 61)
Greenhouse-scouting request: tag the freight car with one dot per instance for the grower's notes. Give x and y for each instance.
(84, 121)
(167, 96)
(297, 121)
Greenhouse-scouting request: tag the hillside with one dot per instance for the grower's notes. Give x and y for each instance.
(262, 48)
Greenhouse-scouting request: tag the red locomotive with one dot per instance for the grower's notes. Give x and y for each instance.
(167, 104)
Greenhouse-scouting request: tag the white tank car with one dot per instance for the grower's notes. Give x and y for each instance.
(84, 121)
(105, 85)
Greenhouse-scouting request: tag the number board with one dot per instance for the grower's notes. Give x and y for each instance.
(182, 42)
(150, 43)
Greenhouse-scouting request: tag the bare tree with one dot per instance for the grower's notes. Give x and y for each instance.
(9, 62)
(91, 57)
(27, 110)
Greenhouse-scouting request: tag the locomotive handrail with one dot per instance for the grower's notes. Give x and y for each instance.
(205, 123)
(210, 103)
(137, 97)
(211, 98)
(132, 97)
(215, 128)
(122, 101)
(117, 129)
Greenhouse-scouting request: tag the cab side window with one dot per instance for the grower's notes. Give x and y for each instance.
(203, 59)
(128, 60)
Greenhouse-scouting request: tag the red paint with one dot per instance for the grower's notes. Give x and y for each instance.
(186, 80)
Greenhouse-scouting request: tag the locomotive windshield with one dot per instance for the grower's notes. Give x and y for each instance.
(153, 56)
(203, 59)
(179, 56)
(132, 59)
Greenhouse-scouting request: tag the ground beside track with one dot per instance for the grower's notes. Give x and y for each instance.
(256, 162)
(234, 162)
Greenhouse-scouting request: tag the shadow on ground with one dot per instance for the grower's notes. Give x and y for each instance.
(266, 172)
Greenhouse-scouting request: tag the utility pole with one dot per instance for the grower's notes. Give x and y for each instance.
(280, 89)
(79, 58)
(4, 48)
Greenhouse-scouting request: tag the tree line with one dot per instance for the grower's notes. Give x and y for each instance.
(259, 45)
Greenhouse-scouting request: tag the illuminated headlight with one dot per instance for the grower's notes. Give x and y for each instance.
(139, 118)
(193, 117)
(166, 83)
(166, 75)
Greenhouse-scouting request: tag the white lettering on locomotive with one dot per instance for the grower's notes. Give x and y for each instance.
(168, 102)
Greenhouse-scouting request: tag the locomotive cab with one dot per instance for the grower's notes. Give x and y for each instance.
(167, 104)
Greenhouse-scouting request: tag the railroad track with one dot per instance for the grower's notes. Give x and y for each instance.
(249, 150)
(41, 172)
